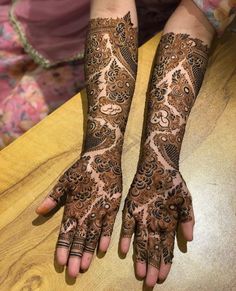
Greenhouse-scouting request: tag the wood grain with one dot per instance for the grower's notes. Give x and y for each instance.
(31, 165)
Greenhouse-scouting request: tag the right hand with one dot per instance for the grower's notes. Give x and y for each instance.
(93, 186)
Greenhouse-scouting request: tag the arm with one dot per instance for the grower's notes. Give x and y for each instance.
(93, 185)
(158, 198)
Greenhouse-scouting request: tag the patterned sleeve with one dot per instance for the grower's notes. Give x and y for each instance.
(220, 13)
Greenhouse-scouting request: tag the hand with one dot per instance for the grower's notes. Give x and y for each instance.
(93, 186)
(158, 199)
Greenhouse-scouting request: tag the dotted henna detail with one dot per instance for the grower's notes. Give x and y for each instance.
(94, 183)
(111, 66)
(158, 198)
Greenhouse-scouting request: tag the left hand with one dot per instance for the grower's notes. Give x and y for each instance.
(157, 200)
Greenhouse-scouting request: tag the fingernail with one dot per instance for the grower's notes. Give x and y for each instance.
(41, 209)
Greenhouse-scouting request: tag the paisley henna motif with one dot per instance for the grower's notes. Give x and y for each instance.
(94, 183)
(158, 198)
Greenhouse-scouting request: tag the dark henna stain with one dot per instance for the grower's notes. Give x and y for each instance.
(111, 66)
(94, 182)
(158, 198)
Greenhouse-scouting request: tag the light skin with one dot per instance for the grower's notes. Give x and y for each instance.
(99, 121)
(195, 25)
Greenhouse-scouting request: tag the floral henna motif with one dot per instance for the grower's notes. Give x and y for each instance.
(111, 67)
(158, 198)
(94, 183)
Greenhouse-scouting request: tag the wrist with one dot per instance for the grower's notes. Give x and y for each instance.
(110, 142)
(101, 135)
(165, 153)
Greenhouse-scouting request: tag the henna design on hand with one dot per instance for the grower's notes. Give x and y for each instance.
(94, 183)
(158, 198)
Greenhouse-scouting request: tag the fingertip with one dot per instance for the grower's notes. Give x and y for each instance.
(125, 244)
(104, 243)
(187, 230)
(141, 269)
(163, 272)
(152, 275)
(86, 261)
(72, 273)
(160, 281)
(189, 238)
(62, 256)
(47, 205)
(73, 266)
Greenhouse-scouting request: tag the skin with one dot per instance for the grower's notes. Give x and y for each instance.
(157, 271)
(197, 26)
(93, 185)
(158, 198)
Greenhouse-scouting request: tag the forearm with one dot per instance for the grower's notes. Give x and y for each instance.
(176, 79)
(189, 19)
(110, 69)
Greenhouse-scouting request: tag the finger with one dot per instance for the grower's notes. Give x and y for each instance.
(163, 271)
(167, 246)
(127, 230)
(65, 238)
(125, 244)
(73, 266)
(185, 205)
(141, 269)
(152, 275)
(86, 260)
(92, 237)
(128, 225)
(76, 251)
(187, 227)
(107, 228)
(154, 259)
(186, 214)
(141, 250)
(53, 198)
(104, 243)
(47, 205)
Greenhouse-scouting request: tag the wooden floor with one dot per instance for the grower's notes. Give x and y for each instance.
(31, 165)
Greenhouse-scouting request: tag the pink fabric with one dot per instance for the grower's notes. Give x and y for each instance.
(4, 11)
(220, 13)
(56, 28)
(29, 92)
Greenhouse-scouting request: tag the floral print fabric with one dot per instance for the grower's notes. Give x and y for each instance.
(220, 13)
(28, 92)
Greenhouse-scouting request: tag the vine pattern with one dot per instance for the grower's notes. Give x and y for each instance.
(158, 198)
(94, 183)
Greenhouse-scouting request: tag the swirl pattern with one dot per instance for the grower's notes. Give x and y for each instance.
(158, 198)
(94, 183)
